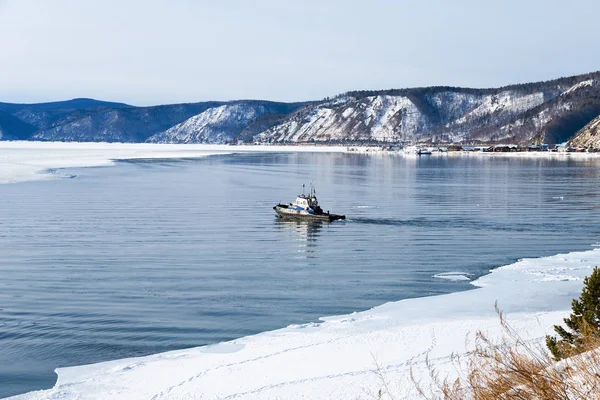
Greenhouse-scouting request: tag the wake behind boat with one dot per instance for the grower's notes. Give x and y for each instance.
(306, 207)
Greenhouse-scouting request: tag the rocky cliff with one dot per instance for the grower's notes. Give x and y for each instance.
(589, 136)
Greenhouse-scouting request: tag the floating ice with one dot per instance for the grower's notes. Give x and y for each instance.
(453, 276)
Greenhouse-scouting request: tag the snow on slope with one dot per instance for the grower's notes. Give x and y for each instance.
(382, 114)
(589, 136)
(337, 358)
(372, 118)
(508, 102)
(417, 114)
(448, 115)
(579, 85)
(215, 125)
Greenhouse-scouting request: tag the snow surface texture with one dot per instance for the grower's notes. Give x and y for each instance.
(344, 357)
(27, 161)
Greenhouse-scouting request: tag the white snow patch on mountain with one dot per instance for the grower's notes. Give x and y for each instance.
(380, 113)
(378, 117)
(508, 102)
(579, 85)
(215, 125)
(450, 115)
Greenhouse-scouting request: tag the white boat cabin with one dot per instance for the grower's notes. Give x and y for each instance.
(305, 203)
(302, 202)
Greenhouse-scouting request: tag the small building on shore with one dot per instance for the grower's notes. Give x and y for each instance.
(454, 147)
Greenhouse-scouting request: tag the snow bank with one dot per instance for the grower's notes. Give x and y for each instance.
(344, 357)
(27, 161)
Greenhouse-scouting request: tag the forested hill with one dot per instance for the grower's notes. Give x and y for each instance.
(542, 112)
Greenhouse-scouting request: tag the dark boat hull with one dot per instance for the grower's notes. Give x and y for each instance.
(284, 212)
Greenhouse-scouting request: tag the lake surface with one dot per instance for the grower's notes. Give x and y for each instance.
(155, 255)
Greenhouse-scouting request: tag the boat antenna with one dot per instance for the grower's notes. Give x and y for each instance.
(303, 189)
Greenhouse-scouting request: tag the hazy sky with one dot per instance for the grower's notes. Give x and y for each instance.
(165, 51)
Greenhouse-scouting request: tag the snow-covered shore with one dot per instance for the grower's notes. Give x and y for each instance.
(22, 161)
(340, 357)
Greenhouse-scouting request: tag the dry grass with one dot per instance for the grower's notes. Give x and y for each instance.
(516, 369)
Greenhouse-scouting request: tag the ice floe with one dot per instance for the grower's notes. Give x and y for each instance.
(453, 276)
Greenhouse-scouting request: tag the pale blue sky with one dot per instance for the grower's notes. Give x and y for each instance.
(165, 51)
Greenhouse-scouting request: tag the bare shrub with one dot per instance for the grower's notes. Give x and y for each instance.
(513, 368)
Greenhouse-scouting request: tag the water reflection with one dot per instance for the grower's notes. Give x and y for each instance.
(306, 233)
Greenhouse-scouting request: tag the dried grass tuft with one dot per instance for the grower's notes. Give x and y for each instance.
(515, 369)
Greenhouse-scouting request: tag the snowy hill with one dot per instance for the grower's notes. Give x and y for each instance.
(515, 113)
(220, 124)
(542, 112)
(131, 124)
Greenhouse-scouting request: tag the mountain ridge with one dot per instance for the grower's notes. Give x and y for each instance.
(446, 114)
(550, 111)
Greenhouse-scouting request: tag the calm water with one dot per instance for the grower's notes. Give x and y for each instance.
(150, 256)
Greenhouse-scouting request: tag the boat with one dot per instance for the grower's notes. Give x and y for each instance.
(306, 207)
